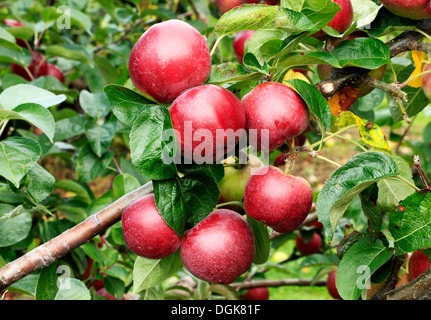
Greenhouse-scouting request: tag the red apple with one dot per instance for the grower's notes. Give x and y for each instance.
(38, 67)
(330, 285)
(324, 71)
(418, 264)
(412, 9)
(278, 200)
(219, 248)
(54, 71)
(145, 232)
(226, 5)
(308, 244)
(426, 82)
(342, 20)
(15, 23)
(105, 293)
(274, 113)
(169, 58)
(209, 120)
(260, 293)
(239, 43)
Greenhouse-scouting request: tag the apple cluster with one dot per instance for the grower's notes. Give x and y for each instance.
(220, 247)
(38, 66)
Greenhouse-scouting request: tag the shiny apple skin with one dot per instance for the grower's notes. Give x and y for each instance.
(418, 264)
(277, 108)
(239, 43)
(342, 20)
(220, 248)
(145, 232)
(169, 58)
(212, 111)
(411, 9)
(278, 200)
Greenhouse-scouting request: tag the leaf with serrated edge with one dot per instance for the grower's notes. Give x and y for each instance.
(347, 182)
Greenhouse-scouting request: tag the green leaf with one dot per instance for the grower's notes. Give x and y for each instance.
(114, 286)
(416, 102)
(126, 104)
(231, 72)
(368, 53)
(75, 187)
(312, 58)
(7, 40)
(357, 266)
(153, 144)
(320, 12)
(70, 51)
(89, 166)
(34, 114)
(387, 22)
(69, 127)
(225, 291)
(27, 93)
(17, 156)
(349, 181)
(185, 200)
(391, 190)
(259, 17)
(7, 55)
(261, 240)
(364, 12)
(40, 183)
(73, 289)
(21, 226)
(46, 288)
(96, 105)
(148, 273)
(410, 226)
(316, 102)
(92, 251)
(100, 135)
(123, 184)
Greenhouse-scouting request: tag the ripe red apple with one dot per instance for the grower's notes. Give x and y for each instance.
(418, 264)
(413, 9)
(307, 245)
(145, 232)
(324, 71)
(209, 120)
(219, 248)
(169, 58)
(278, 200)
(342, 20)
(232, 185)
(239, 43)
(226, 5)
(259, 293)
(426, 82)
(274, 113)
(330, 285)
(53, 70)
(37, 67)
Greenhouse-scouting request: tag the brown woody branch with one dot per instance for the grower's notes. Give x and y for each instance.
(69, 240)
(407, 41)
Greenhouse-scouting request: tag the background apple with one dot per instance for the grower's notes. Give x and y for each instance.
(168, 58)
(418, 264)
(260, 293)
(308, 243)
(53, 70)
(413, 9)
(15, 23)
(330, 285)
(342, 20)
(239, 43)
(219, 248)
(209, 120)
(426, 82)
(287, 199)
(324, 71)
(274, 107)
(37, 67)
(145, 232)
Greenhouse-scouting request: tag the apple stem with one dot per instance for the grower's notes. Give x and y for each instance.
(402, 85)
(215, 45)
(399, 177)
(230, 203)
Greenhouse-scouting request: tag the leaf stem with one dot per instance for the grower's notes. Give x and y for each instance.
(215, 45)
(3, 125)
(230, 203)
(330, 136)
(407, 182)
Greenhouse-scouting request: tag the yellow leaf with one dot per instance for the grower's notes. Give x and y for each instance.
(370, 133)
(418, 59)
(292, 75)
(343, 99)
